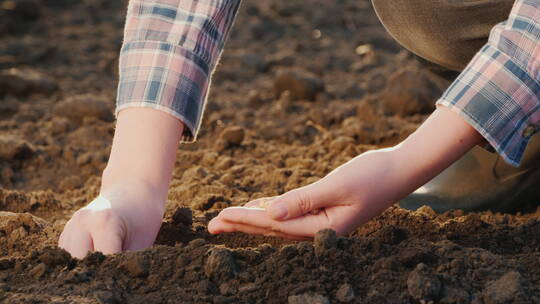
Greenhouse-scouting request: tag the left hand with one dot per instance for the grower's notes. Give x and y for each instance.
(307, 216)
(341, 201)
(360, 189)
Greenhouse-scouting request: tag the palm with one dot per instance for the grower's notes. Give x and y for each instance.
(253, 219)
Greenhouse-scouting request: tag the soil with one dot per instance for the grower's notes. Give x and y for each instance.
(302, 87)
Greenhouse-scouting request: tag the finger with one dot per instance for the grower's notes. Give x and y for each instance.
(61, 239)
(262, 202)
(304, 226)
(77, 242)
(217, 226)
(109, 238)
(107, 243)
(302, 201)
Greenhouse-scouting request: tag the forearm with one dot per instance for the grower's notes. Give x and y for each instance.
(380, 178)
(441, 140)
(143, 151)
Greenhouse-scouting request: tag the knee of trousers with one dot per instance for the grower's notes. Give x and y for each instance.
(446, 32)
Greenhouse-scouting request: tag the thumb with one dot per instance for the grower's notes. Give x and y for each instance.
(297, 202)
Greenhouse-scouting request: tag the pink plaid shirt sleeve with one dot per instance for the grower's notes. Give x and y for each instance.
(498, 92)
(170, 50)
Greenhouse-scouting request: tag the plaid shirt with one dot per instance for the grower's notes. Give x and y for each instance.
(498, 92)
(171, 48)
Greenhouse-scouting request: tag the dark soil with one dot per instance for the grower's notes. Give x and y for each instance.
(302, 87)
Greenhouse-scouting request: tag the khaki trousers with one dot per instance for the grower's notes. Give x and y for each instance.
(446, 32)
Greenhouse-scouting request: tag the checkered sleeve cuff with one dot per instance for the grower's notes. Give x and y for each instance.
(498, 92)
(170, 50)
(165, 77)
(499, 98)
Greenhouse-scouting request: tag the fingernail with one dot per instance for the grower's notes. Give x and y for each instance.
(278, 211)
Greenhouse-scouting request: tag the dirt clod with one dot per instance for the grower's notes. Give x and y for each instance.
(423, 285)
(24, 82)
(82, 107)
(300, 83)
(324, 240)
(220, 265)
(410, 91)
(506, 288)
(345, 293)
(106, 297)
(136, 265)
(12, 147)
(183, 216)
(38, 271)
(230, 137)
(308, 298)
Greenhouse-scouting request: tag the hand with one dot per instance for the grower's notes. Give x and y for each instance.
(340, 201)
(111, 226)
(360, 189)
(133, 187)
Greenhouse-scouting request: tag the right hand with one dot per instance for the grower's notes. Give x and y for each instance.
(110, 226)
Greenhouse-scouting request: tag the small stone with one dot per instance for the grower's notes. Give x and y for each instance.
(410, 91)
(233, 135)
(59, 125)
(10, 221)
(209, 158)
(426, 211)
(183, 216)
(195, 173)
(423, 285)
(227, 179)
(254, 98)
(366, 112)
(12, 147)
(77, 276)
(54, 256)
(324, 240)
(70, 183)
(38, 271)
(220, 265)
(224, 163)
(18, 234)
(345, 293)
(83, 107)
(302, 84)
(227, 289)
(106, 297)
(308, 298)
(341, 142)
(504, 289)
(136, 265)
(84, 158)
(368, 58)
(249, 287)
(24, 82)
